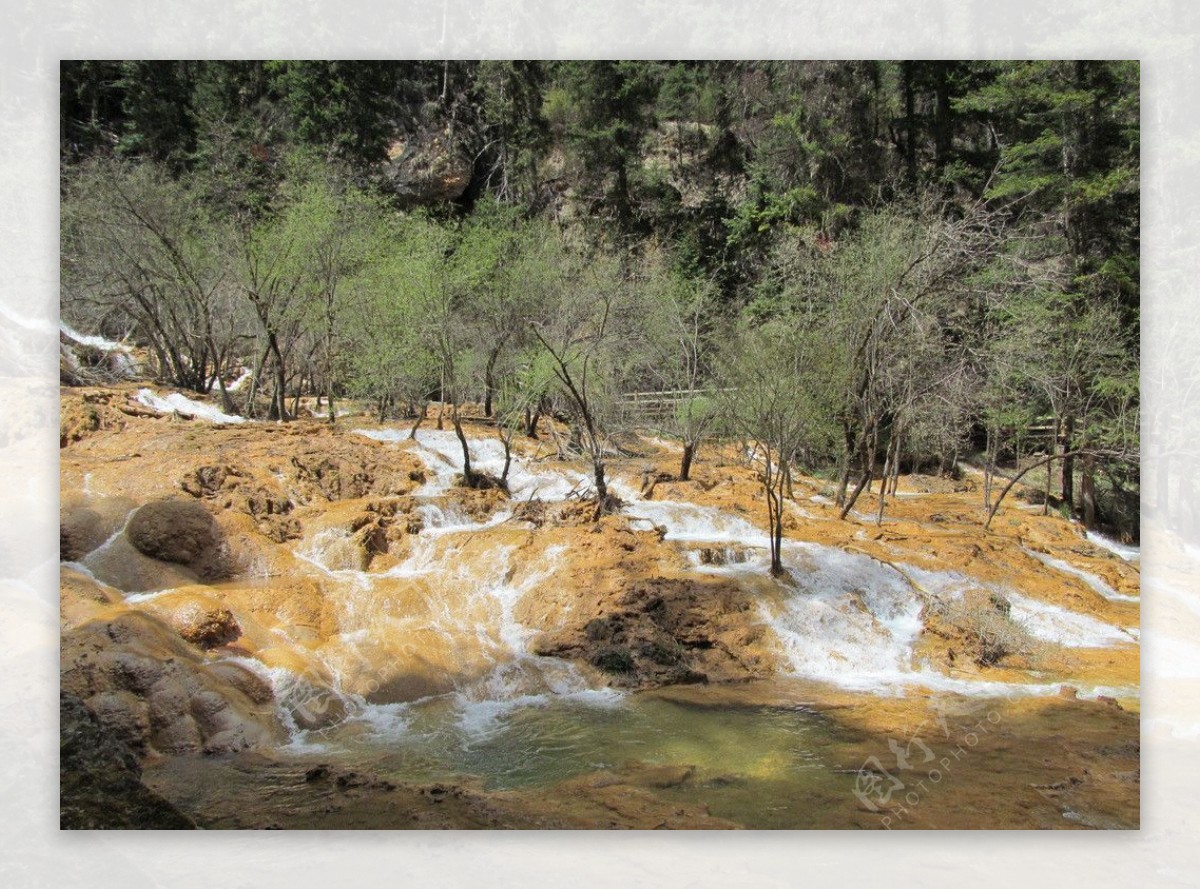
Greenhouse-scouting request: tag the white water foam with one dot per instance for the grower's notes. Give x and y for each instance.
(1055, 624)
(92, 340)
(298, 693)
(692, 522)
(519, 678)
(850, 619)
(241, 381)
(1097, 584)
(853, 621)
(178, 402)
(450, 519)
(470, 603)
(845, 618)
(442, 453)
(1127, 552)
(335, 553)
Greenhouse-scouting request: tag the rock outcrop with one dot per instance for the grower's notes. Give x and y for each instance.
(100, 779)
(149, 686)
(176, 531)
(426, 168)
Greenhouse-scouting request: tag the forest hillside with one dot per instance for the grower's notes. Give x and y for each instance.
(863, 266)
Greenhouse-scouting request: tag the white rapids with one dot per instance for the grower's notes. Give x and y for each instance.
(459, 602)
(852, 620)
(442, 454)
(177, 402)
(1097, 584)
(1127, 552)
(840, 617)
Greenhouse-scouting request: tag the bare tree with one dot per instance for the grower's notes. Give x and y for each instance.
(679, 318)
(583, 333)
(140, 252)
(896, 288)
(773, 396)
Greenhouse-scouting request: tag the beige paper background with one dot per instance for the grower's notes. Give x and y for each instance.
(34, 36)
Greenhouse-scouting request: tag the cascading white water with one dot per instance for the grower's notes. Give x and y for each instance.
(453, 601)
(846, 618)
(335, 553)
(854, 621)
(92, 340)
(242, 379)
(448, 519)
(694, 523)
(1097, 584)
(851, 620)
(442, 454)
(178, 402)
(1063, 627)
(519, 678)
(1127, 552)
(843, 617)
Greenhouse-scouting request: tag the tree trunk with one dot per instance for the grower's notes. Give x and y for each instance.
(988, 469)
(1045, 461)
(422, 409)
(868, 463)
(252, 393)
(1088, 490)
(843, 481)
(489, 382)
(226, 402)
(1068, 467)
(468, 474)
(1046, 492)
(896, 465)
(777, 534)
(531, 425)
(883, 483)
(507, 440)
(280, 395)
(849, 505)
(774, 510)
(601, 484)
(685, 464)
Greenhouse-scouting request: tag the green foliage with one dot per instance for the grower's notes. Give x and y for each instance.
(340, 106)
(917, 249)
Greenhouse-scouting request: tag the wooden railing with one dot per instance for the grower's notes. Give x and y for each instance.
(658, 404)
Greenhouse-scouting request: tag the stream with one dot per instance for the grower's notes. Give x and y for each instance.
(843, 625)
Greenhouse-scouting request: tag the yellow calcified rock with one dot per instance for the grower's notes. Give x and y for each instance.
(340, 581)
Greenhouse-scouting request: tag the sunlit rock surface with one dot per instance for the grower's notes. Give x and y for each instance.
(332, 599)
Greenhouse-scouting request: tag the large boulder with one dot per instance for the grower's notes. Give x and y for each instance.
(181, 532)
(156, 693)
(121, 565)
(426, 168)
(200, 619)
